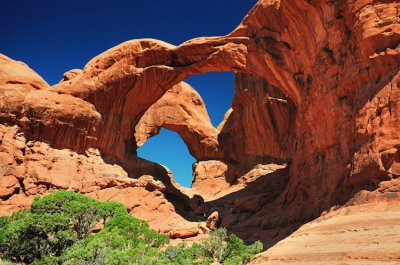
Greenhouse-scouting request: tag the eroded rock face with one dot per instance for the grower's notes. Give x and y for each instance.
(71, 74)
(212, 221)
(259, 111)
(322, 98)
(337, 76)
(18, 74)
(61, 120)
(210, 178)
(30, 168)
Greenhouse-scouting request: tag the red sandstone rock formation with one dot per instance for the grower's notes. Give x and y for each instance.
(209, 178)
(344, 58)
(29, 168)
(317, 88)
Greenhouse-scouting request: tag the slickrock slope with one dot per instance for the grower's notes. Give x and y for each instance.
(18, 74)
(317, 90)
(365, 234)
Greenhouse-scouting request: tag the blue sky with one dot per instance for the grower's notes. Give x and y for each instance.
(55, 36)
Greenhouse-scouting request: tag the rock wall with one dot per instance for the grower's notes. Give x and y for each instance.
(338, 64)
(30, 168)
(260, 127)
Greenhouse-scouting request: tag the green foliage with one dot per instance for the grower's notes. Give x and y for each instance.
(54, 223)
(215, 245)
(238, 252)
(123, 240)
(57, 230)
(3, 221)
(218, 247)
(181, 254)
(30, 236)
(82, 211)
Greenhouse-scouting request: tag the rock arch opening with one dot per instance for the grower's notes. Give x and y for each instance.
(193, 117)
(169, 150)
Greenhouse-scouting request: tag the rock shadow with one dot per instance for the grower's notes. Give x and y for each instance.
(136, 167)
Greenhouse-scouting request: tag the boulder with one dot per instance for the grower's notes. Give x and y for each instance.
(213, 220)
(184, 232)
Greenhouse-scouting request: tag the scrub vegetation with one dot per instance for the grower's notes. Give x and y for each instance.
(60, 229)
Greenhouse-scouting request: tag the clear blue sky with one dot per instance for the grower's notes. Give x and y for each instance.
(53, 36)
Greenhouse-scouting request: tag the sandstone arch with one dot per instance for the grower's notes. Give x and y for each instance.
(329, 69)
(181, 109)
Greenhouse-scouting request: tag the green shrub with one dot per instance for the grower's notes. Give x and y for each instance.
(57, 230)
(215, 246)
(31, 236)
(181, 254)
(3, 221)
(54, 223)
(218, 247)
(123, 240)
(82, 211)
(238, 252)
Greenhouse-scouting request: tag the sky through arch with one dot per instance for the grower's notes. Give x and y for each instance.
(168, 149)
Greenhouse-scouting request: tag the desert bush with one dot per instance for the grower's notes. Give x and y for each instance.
(237, 252)
(3, 221)
(30, 236)
(58, 230)
(54, 223)
(218, 247)
(123, 240)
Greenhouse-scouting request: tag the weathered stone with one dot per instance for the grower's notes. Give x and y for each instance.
(184, 232)
(150, 184)
(209, 177)
(71, 74)
(212, 221)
